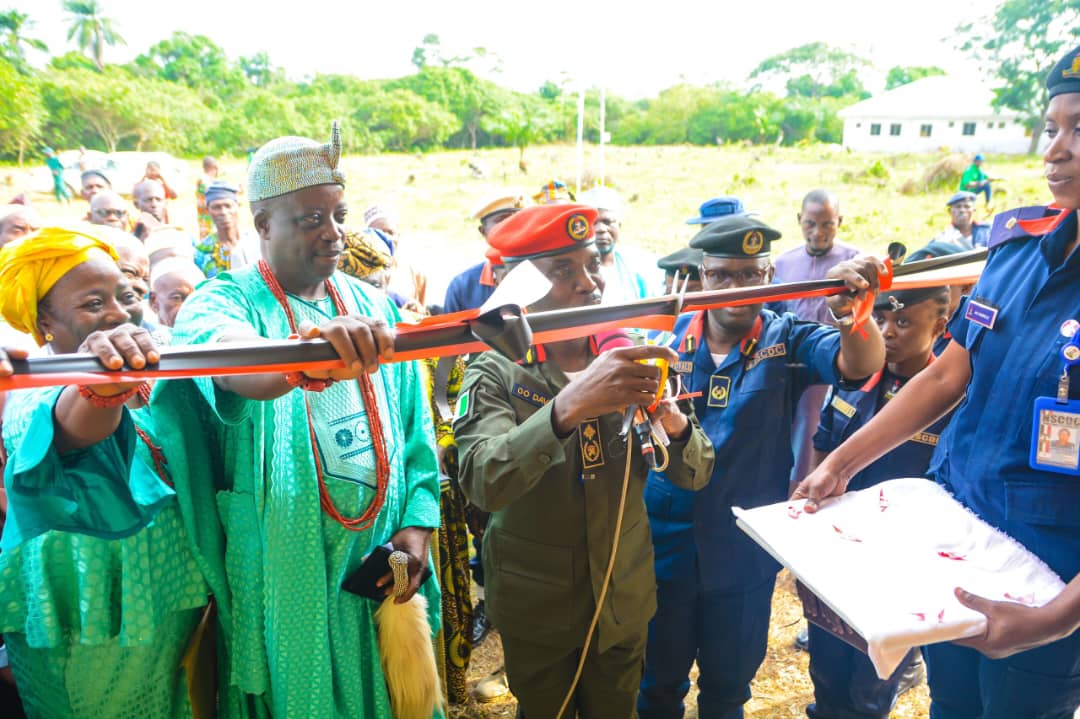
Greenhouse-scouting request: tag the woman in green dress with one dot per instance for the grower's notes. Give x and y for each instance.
(99, 592)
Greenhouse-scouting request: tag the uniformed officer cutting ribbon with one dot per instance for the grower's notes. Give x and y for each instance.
(1009, 368)
(539, 448)
(751, 366)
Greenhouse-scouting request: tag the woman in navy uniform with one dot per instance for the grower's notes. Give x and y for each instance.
(1009, 350)
(846, 685)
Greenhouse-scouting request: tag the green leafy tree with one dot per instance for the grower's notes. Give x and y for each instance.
(524, 123)
(814, 70)
(901, 75)
(550, 91)
(337, 97)
(458, 90)
(846, 85)
(255, 116)
(1018, 45)
(90, 29)
(428, 52)
(732, 116)
(24, 112)
(113, 109)
(403, 121)
(317, 109)
(14, 39)
(259, 71)
(71, 60)
(667, 119)
(195, 61)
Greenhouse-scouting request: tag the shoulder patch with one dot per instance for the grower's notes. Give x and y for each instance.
(1007, 225)
(464, 405)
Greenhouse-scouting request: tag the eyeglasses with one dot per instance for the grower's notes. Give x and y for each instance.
(721, 279)
(106, 213)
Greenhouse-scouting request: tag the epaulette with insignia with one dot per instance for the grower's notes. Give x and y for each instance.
(1007, 225)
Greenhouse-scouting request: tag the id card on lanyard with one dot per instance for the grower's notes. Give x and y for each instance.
(1055, 431)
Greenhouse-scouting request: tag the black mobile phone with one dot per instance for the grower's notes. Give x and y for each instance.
(362, 581)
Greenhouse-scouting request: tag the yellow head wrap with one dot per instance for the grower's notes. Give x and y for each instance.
(31, 266)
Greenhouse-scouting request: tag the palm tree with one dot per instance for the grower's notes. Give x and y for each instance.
(90, 29)
(12, 26)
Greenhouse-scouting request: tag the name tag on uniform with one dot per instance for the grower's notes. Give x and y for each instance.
(683, 366)
(777, 350)
(1055, 440)
(719, 389)
(981, 313)
(532, 396)
(843, 407)
(926, 438)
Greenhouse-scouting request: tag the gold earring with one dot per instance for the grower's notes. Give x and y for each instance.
(49, 337)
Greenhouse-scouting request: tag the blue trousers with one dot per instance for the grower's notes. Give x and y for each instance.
(846, 685)
(726, 633)
(1043, 683)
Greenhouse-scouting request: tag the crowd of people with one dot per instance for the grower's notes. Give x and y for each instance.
(264, 545)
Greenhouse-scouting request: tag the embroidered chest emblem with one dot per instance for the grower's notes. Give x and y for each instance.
(719, 390)
(592, 451)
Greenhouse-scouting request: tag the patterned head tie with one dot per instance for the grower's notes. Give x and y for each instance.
(288, 164)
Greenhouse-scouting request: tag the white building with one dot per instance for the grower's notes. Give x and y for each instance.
(935, 112)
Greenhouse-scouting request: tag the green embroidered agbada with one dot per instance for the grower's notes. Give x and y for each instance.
(297, 644)
(99, 590)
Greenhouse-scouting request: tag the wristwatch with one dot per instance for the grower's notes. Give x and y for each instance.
(843, 320)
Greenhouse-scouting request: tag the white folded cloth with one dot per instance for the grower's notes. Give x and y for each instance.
(886, 560)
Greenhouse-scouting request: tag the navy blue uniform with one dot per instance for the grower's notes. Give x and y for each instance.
(467, 291)
(941, 343)
(846, 685)
(714, 583)
(845, 411)
(983, 461)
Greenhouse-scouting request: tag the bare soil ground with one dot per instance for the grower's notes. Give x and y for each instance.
(781, 690)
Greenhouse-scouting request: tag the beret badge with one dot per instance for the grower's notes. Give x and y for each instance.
(577, 226)
(752, 242)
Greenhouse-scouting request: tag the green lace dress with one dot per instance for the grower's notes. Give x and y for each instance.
(99, 590)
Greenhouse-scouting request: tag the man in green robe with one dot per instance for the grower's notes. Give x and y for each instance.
(287, 482)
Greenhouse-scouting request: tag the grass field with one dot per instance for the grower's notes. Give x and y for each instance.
(662, 186)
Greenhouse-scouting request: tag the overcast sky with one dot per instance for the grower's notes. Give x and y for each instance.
(633, 49)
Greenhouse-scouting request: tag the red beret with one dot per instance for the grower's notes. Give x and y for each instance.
(543, 231)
